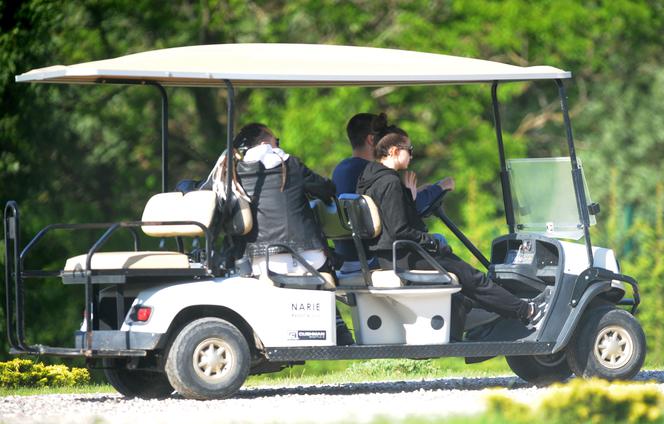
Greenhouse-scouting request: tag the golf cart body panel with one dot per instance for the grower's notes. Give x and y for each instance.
(278, 316)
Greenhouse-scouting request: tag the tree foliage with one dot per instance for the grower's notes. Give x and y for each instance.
(91, 154)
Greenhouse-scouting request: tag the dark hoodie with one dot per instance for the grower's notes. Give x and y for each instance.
(395, 204)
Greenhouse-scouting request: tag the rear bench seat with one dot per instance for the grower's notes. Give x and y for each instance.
(115, 267)
(177, 208)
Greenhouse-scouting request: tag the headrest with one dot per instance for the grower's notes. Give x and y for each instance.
(363, 214)
(331, 219)
(240, 221)
(196, 206)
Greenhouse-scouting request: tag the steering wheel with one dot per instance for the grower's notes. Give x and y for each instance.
(433, 206)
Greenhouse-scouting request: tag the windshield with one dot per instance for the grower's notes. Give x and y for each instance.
(543, 197)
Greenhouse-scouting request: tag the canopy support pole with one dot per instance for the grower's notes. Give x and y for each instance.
(230, 101)
(164, 121)
(577, 176)
(164, 136)
(504, 176)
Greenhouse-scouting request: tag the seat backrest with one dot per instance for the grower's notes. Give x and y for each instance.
(196, 206)
(331, 220)
(240, 221)
(362, 213)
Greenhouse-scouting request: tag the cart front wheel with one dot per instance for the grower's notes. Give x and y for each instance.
(541, 369)
(209, 359)
(609, 345)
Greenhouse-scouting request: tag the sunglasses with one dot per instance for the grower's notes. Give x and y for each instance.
(409, 148)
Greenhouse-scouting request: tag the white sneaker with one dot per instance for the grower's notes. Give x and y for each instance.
(538, 306)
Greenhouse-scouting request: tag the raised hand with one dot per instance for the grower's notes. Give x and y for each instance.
(447, 183)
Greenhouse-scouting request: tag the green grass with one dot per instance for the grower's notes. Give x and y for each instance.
(29, 391)
(336, 372)
(328, 372)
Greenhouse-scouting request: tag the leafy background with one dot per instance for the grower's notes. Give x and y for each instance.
(91, 154)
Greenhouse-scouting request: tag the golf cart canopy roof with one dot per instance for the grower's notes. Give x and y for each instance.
(296, 65)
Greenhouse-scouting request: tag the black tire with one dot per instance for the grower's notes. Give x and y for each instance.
(540, 369)
(608, 344)
(139, 383)
(209, 359)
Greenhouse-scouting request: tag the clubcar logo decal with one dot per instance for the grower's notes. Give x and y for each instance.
(307, 335)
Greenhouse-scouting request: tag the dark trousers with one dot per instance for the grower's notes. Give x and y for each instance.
(474, 283)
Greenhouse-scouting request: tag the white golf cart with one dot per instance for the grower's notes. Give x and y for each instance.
(163, 320)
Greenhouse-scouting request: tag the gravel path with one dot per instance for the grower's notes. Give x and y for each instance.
(356, 402)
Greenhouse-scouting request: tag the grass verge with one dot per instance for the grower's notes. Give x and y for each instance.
(337, 372)
(30, 391)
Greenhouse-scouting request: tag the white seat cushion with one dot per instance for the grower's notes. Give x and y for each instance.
(285, 263)
(385, 278)
(196, 206)
(388, 279)
(130, 260)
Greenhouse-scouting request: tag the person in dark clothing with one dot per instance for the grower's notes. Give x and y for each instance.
(277, 185)
(400, 221)
(363, 130)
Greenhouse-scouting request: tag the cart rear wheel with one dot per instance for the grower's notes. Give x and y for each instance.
(139, 383)
(209, 359)
(608, 345)
(540, 369)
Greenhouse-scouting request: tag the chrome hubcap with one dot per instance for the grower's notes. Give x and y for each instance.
(212, 359)
(613, 347)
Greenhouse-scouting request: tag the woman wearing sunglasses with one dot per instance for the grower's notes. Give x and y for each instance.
(400, 221)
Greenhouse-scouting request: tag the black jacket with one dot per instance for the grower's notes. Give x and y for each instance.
(283, 217)
(395, 205)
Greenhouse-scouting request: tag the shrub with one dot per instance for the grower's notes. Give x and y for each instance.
(587, 401)
(25, 373)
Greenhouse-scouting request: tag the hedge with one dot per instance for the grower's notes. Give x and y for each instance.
(26, 373)
(586, 401)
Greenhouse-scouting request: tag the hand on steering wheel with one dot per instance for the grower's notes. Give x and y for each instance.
(447, 184)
